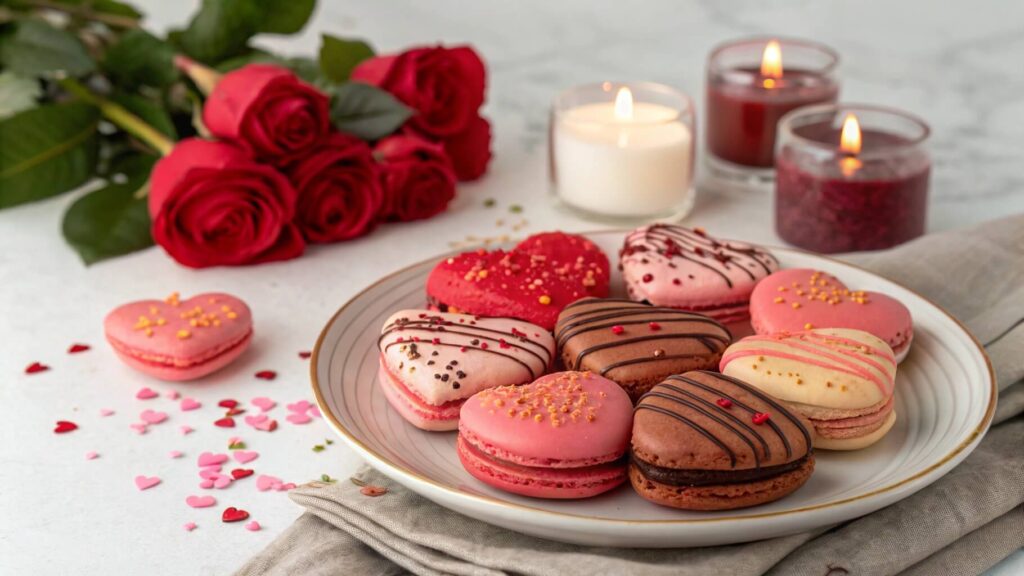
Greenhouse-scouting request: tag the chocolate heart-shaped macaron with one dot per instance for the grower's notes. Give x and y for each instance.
(174, 339)
(801, 299)
(532, 282)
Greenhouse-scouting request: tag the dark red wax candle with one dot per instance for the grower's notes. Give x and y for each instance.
(832, 201)
(741, 118)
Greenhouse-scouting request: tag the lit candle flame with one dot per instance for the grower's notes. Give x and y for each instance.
(771, 64)
(624, 104)
(849, 145)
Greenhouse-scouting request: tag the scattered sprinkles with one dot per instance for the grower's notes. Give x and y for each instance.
(78, 348)
(266, 374)
(64, 426)
(36, 368)
(760, 418)
(617, 329)
(724, 402)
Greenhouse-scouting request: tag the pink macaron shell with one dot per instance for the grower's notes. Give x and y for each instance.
(495, 419)
(556, 483)
(772, 311)
(180, 339)
(441, 418)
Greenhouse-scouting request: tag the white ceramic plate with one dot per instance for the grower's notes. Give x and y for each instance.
(945, 391)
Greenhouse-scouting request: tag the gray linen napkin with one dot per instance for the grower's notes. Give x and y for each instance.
(962, 524)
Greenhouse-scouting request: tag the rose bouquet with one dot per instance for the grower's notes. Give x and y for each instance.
(221, 153)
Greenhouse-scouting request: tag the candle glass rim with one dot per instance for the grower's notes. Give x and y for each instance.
(786, 134)
(686, 109)
(714, 65)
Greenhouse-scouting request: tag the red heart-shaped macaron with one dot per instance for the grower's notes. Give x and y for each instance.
(232, 514)
(532, 282)
(800, 299)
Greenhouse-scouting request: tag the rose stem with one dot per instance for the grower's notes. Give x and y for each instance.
(121, 117)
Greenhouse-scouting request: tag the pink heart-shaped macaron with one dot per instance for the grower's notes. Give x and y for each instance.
(175, 339)
(146, 482)
(211, 459)
(244, 456)
(153, 416)
(800, 299)
(201, 501)
(188, 404)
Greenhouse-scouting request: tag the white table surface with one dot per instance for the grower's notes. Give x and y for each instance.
(62, 514)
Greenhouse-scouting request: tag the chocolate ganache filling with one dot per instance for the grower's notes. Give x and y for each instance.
(680, 477)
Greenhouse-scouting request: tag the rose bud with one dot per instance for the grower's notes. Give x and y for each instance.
(470, 150)
(445, 86)
(268, 110)
(417, 176)
(212, 205)
(339, 189)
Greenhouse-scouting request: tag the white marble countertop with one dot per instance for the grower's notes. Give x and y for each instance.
(958, 67)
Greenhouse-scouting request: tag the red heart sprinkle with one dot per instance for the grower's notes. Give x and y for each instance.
(272, 426)
(227, 403)
(239, 473)
(618, 329)
(35, 368)
(76, 348)
(724, 402)
(226, 422)
(305, 354)
(232, 514)
(760, 417)
(654, 326)
(235, 412)
(266, 374)
(63, 426)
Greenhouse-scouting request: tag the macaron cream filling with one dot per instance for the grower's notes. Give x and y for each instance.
(158, 359)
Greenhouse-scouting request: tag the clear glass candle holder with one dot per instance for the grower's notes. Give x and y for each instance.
(623, 152)
(751, 84)
(851, 177)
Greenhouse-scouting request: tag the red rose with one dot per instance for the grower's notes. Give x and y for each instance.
(212, 205)
(470, 150)
(339, 189)
(445, 86)
(417, 176)
(268, 110)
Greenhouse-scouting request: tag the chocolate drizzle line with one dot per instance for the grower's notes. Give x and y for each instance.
(702, 338)
(704, 432)
(679, 242)
(574, 324)
(753, 432)
(511, 340)
(693, 406)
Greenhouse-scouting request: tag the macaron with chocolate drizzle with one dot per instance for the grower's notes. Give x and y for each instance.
(431, 362)
(705, 441)
(685, 268)
(635, 344)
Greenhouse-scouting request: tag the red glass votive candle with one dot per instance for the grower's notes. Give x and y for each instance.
(751, 84)
(851, 178)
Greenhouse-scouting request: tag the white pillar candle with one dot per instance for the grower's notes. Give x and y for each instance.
(624, 158)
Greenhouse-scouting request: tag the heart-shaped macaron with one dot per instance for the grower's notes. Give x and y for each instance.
(532, 282)
(800, 299)
(176, 339)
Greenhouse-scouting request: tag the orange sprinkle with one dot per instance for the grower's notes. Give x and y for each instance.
(808, 326)
(183, 334)
(779, 299)
(796, 305)
(544, 300)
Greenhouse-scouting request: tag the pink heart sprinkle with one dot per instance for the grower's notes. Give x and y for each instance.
(189, 526)
(146, 394)
(104, 412)
(210, 473)
(253, 526)
(222, 481)
(299, 418)
(175, 453)
(265, 482)
(91, 455)
(139, 427)
(206, 484)
(315, 411)
(300, 406)
(285, 487)
(243, 456)
(211, 459)
(266, 426)
(152, 416)
(186, 430)
(201, 501)
(172, 394)
(146, 482)
(189, 404)
(256, 419)
(263, 403)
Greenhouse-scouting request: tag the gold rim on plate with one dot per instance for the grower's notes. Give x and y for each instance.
(488, 500)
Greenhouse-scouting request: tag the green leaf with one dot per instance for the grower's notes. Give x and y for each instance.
(85, 7)
(153, 113)
(113, 220)
(338, 57)
(46, 151)
(222, 28)
(36, 49)
(17, 93)
(139, 58)
(367, 112)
